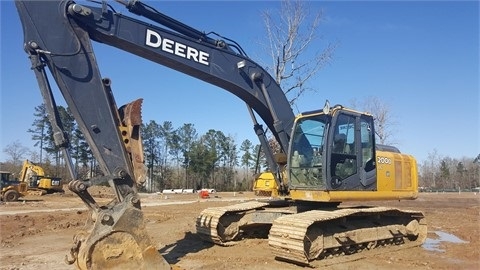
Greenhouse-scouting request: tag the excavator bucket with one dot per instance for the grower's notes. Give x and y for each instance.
(115, 238)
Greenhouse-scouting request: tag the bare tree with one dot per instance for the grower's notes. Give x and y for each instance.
(16, 151)
(290, 34)
(429, 173)
(384, 119)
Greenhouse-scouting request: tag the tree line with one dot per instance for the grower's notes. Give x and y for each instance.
(175, 157)
(444, 173)
(182, 158)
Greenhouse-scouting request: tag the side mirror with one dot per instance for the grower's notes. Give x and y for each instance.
(326, 107)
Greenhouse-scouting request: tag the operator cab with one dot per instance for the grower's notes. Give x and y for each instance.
(6, 179)
(340, 137)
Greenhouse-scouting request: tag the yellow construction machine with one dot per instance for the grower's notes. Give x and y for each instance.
(38, 182)
(264, 185)
(332, 158)
(11, 190)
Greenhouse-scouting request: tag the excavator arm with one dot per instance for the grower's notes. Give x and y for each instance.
(57, 38)
(114, 234)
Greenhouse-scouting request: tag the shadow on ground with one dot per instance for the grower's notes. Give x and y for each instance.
(191, 243)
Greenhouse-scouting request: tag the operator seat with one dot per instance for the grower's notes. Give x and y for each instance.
(339, 144)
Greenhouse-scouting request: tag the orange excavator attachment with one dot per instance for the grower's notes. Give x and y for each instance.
(130, 116)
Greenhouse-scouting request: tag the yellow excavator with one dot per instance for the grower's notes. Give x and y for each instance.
(38, 182)
(326, 157)
(332, 158)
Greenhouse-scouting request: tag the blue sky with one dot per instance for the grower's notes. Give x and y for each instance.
(421, 58)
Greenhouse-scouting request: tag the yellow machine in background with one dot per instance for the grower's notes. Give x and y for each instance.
(264, 185)
(34, 176)
(11, 190)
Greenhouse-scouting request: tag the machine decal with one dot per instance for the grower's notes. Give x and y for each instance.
(154, 40)
(383, 160)
(55, 182)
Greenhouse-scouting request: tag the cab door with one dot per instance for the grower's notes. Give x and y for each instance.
(350, 155)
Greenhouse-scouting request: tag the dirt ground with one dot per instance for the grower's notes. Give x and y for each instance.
(37, 231)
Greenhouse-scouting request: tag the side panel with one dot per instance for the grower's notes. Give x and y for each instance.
(396, 172)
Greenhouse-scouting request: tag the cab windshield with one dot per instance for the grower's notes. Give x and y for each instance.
(305, 164)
